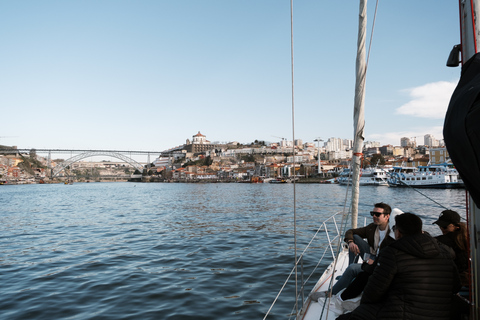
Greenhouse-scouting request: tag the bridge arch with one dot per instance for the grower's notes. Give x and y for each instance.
(60, 167)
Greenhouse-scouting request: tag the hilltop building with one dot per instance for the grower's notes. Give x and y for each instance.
(200, 144)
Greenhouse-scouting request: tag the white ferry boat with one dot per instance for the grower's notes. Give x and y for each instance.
(432, 176)
(369, 177)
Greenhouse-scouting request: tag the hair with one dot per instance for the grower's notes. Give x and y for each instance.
(386, 208)
(461, 236)
(408, 224)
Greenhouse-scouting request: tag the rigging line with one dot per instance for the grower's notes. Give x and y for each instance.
(337, 238)
(343, 222)
(371, 37)
(441, 205)
(293, 146)
(324, 227)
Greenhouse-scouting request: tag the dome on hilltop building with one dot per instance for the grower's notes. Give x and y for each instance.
(199, 134)
(199, 138)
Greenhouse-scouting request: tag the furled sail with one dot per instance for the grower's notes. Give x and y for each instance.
(461, 129)
(358, 113)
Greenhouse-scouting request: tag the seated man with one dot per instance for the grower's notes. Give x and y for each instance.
(415, 278)
(378, 236)
(355, 288)
(375, 233)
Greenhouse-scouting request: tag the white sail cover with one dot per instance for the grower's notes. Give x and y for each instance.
(358, 115)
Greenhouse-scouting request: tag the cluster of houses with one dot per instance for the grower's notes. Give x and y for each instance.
(12, 171)
(200, 159)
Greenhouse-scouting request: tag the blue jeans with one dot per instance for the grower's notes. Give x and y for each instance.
(362, 245)
(350, 273)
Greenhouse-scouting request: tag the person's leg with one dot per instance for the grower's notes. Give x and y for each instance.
(362, 245)
(355, 288)
(347, 277)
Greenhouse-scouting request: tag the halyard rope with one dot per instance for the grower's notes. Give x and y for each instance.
(344, 216)
(293, 147)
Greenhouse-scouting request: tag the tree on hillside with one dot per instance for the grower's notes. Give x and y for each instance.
(248, 158)
(258, 142)
(377, 158)
(208, 161)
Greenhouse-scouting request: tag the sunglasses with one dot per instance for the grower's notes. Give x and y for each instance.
(376, 214)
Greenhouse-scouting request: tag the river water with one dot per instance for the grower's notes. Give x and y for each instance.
(169, 250)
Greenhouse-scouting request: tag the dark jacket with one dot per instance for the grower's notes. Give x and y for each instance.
(415, 279)
(368, 233)
(461, 256)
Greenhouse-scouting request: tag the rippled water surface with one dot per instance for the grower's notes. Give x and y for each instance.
(168, 251)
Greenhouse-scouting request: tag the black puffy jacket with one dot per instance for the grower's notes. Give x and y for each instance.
(415, 279)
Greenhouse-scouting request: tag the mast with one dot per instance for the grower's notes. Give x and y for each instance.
(358, 115)
(469, 28)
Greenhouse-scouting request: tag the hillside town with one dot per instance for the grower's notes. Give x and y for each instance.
(201, 160)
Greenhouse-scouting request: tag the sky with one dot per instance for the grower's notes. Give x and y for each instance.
(149, 74)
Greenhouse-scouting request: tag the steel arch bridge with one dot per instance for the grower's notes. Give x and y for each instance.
(60, 167)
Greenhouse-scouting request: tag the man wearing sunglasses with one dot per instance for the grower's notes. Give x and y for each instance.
(376, 233)
(378, 236)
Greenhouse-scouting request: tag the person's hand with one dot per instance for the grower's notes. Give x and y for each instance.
(353, 248)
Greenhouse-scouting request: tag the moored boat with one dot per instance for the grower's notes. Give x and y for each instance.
(368, 177)
(432, 176)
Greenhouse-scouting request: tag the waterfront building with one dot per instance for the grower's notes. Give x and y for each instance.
(410, 162)
(371, 151)
(398, 152)
(344, 154)
(370, 144)
(386, 150)
(409, 152)
(298, 159)
(438, 155)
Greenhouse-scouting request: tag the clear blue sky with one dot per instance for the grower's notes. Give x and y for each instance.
(147, 75)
